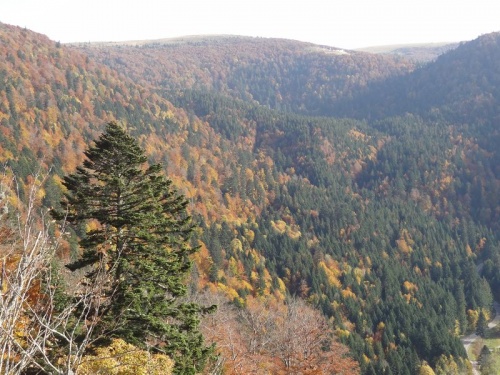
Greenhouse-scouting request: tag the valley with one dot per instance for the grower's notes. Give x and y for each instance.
(364, 185)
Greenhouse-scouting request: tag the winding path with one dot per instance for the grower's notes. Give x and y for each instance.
(468, 340)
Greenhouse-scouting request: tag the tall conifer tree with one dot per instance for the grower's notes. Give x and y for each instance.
(138, 236)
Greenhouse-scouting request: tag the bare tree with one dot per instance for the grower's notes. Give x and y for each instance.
(305, 344)
(269, 337)
(237, 335)
(221, 327)
(34, 331)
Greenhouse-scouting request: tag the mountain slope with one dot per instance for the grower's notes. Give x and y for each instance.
(282, 74)
(426, 160)
(370, 221)
(458, 91)
(53, 100)
(461, 85)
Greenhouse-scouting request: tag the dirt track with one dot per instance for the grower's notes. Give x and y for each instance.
(468, 340)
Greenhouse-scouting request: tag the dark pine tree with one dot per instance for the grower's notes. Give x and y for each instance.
(140, 238)
(482, 325)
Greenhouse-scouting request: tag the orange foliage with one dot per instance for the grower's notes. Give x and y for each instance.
(268, 337)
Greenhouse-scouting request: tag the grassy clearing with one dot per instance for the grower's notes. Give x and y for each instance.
(492, 341)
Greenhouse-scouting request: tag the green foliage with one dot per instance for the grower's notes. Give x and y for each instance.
(381, 221)
(395, 211)
(481, 325)
(138, 233)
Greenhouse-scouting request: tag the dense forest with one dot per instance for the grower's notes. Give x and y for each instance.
(356, 190)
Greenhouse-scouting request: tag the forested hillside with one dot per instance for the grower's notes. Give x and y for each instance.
(376, 214)
(461, 86)
(281, 74)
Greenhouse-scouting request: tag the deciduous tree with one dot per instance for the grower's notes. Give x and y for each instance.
(37, 331)
(269, 337)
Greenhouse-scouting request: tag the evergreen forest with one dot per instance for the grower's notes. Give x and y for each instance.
(303, 209)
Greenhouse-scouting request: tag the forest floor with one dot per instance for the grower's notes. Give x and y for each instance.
(473, 343)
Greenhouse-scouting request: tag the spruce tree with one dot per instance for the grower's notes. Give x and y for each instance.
(482, 325)
(138, 232)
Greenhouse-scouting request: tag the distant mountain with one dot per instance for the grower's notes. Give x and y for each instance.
(282, 74)
(461, 85)
(422, 52)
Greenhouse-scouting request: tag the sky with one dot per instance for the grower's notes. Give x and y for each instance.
(339, 23)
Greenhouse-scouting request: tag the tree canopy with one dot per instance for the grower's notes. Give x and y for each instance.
(136, 245)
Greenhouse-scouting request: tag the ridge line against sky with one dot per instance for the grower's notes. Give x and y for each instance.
(344, 24)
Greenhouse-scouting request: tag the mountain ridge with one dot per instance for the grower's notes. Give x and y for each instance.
(282, 74)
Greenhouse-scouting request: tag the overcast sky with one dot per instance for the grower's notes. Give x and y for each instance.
(338, 23)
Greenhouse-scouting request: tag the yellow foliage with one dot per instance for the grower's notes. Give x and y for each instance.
(6, 155)
(403, 246)
(342, 232)
(457, 331)
(245, 285)
(230, 293)
(357, 134)
(236, 245)
(358, 273)
(249, 235)
(472, 317)
(342, 333)
(279, 226)
(409, 286)
(425, 369)
(267, 278)
(451, 366)
(405, 242)
(293, 232)
(220, 274)
(468, 250)
(348, 293)
(254, 276)
(331, 274)
(233, 267)
(279, 295)
(486, 313)
(202, 259)
(281, 285)
(481, 244)
(249, 174)
(14, 200)
(52, 114)
(312, 242)
(373, 152)
(92, 225)
(121, 358)
(445, 182)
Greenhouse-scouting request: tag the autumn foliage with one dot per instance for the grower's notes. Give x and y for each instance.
(268, 337)
(120, 358)
(379, 220)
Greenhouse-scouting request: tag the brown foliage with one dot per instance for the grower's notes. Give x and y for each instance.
(268, 337)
